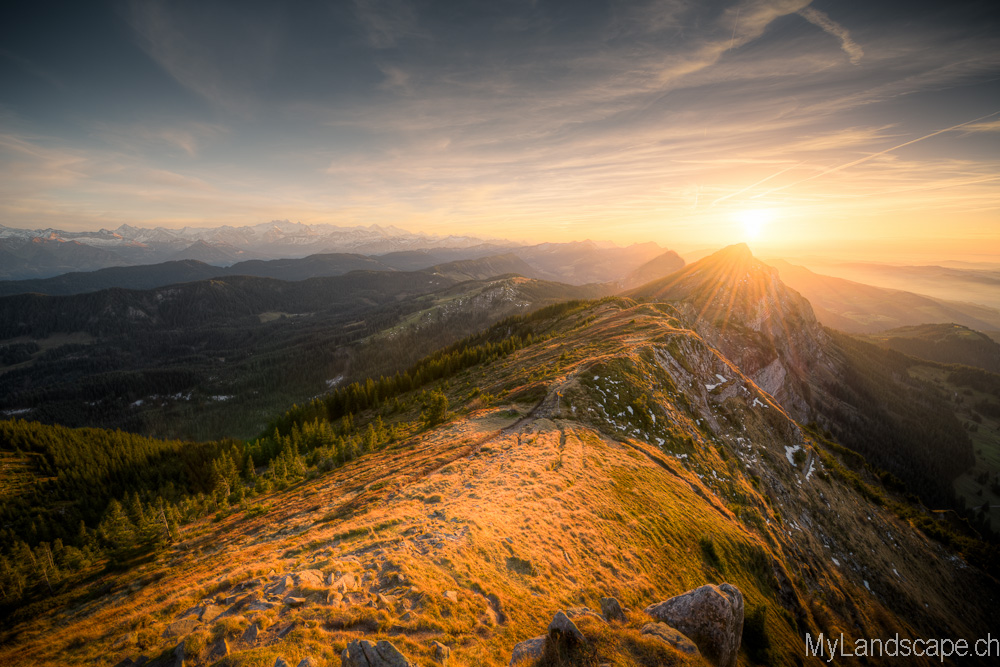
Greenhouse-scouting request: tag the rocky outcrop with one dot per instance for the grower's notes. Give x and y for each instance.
(712, 616)
(705, 622)
(363, 654)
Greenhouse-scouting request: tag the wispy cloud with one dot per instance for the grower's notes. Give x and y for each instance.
(991, 126)
(854, 51)
(149, 139)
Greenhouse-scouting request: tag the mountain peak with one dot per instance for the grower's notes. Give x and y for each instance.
(741, 250)
(731, 293)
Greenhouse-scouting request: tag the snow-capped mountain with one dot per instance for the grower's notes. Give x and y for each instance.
(40, 253)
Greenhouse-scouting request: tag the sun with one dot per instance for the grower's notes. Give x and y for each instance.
(754, 221)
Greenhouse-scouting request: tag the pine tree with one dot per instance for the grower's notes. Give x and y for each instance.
(116, 527)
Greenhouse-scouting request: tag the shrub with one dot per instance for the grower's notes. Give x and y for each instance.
(756, 639)
(709, 553)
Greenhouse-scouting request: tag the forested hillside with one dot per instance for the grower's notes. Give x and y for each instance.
(220, 357)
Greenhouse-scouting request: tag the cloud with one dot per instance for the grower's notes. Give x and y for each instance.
(819, 19)
(167, 139)
(991, 126)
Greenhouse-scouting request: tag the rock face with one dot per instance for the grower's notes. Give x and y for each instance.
(611, 610)
(364, 654)
(712, 616)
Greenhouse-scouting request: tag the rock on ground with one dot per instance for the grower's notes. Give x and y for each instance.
(250, 634)
(671, 636)
(363, 654)
(530, 649)
(577, 612)
(712, 616)
(441, 653)
(611, 610)
(563, 630)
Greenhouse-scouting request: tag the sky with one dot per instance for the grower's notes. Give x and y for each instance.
(796, 125)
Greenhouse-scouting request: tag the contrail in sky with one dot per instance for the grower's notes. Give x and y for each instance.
(751, 187)
(735, 25)
(874, 155)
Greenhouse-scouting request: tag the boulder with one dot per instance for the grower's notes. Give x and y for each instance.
(441, 653)
(451, 596)
(250, 634)
(181, 628)
(306, 662)
(363, 654)
(671, 636)
(562, 630)
(280, 662)
(219, 650)
(211, 612)
(530, 649)
(282, 586)
(293, 601)
(346, 582)
(712, 616)
(309, 578)
(261, 605)
(178, 656)
(612, 610)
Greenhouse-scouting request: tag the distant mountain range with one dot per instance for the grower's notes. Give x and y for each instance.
(860, 308)
(576, 263)
(977, 283)
(41, 253)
